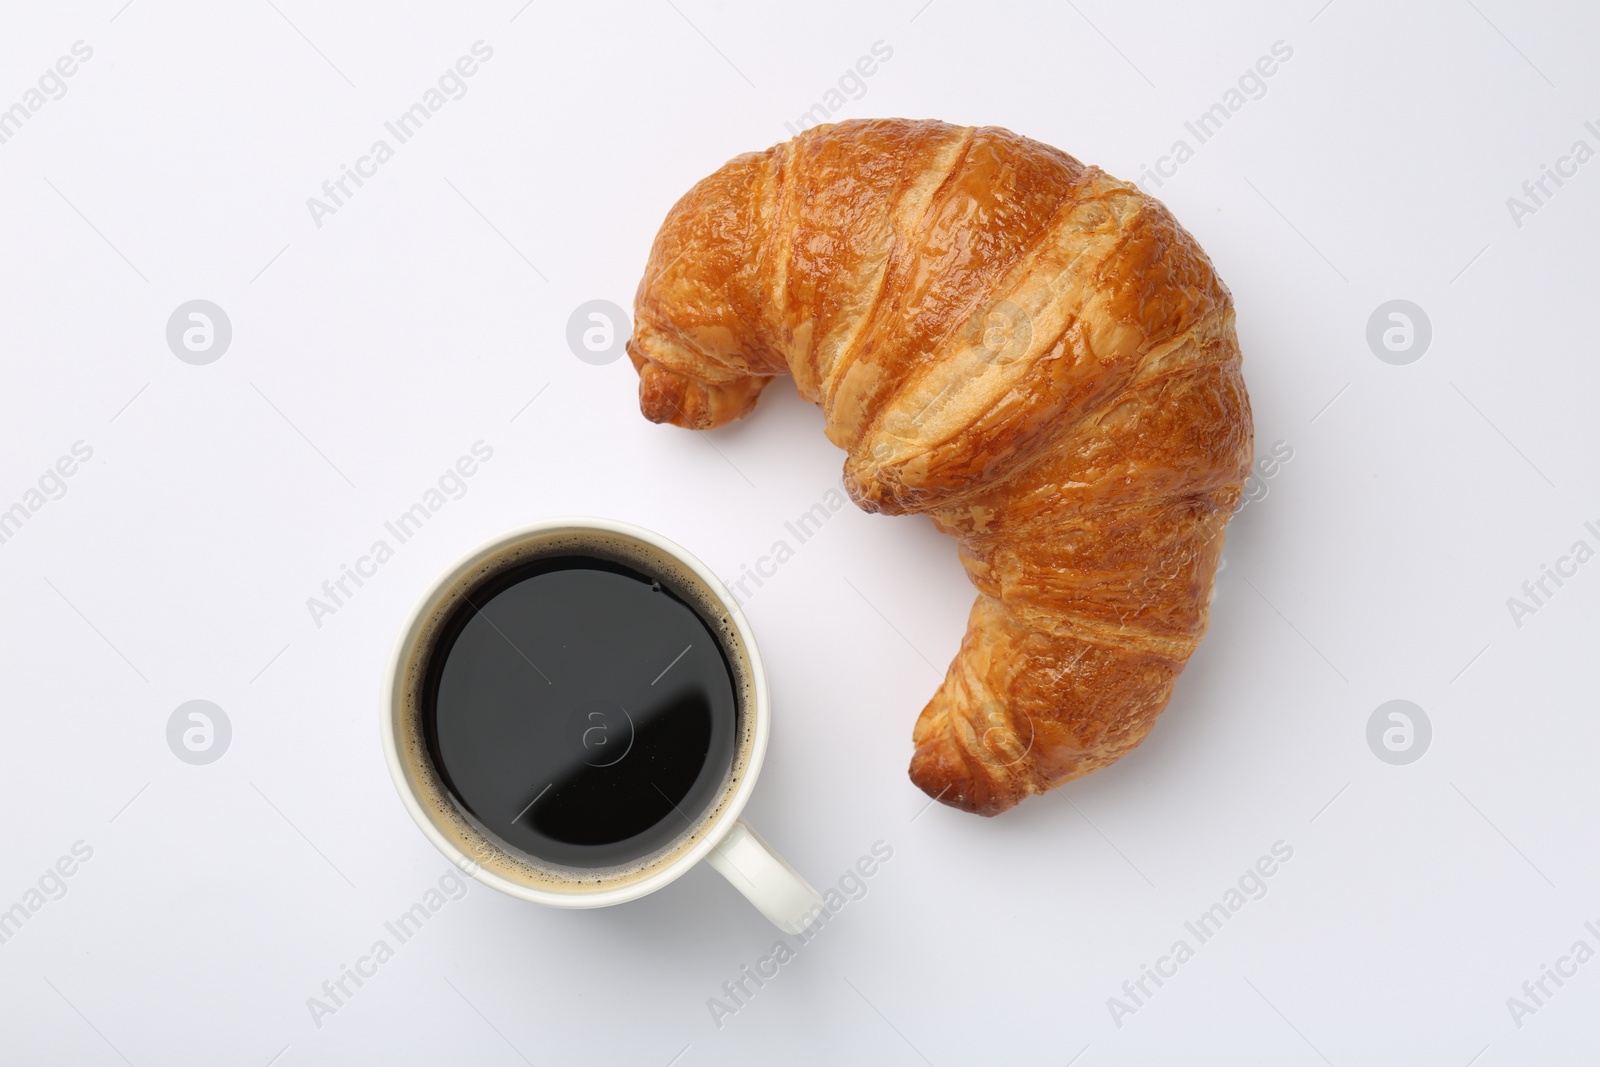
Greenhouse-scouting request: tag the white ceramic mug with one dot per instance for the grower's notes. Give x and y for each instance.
(720, 836)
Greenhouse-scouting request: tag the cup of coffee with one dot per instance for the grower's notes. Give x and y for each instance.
(576, 714)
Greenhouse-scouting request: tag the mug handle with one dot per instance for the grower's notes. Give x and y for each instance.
(776, 889)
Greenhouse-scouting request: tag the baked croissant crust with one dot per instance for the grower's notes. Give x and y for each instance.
(1025, 349)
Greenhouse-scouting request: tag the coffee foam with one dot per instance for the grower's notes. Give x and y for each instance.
(442, 809)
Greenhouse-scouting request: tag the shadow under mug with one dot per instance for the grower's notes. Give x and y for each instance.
(719, 836)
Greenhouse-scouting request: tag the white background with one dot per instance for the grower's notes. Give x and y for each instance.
(372, 351)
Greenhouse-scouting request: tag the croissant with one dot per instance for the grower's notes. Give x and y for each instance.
(1025, 349)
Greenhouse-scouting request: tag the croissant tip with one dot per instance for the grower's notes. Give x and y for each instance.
(962, 800)
(957, 790)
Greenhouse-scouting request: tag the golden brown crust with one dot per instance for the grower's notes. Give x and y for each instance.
(1034, 354)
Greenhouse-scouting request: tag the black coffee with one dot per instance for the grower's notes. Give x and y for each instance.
(580, 711)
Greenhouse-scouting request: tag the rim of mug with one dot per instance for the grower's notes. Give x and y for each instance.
(720, 826)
